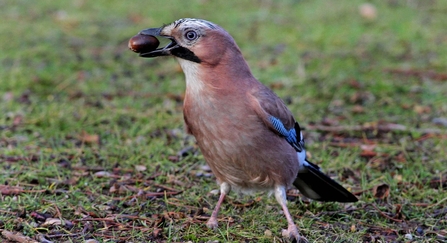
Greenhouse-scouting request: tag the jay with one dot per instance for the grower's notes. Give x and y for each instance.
(248, 137)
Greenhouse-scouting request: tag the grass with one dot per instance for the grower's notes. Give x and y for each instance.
(92, 135)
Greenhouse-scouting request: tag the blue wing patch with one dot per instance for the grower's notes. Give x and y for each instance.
(292, 136)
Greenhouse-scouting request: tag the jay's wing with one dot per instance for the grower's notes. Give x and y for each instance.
(275, 115)
(278, 118)
(311, 181)
(293, 135)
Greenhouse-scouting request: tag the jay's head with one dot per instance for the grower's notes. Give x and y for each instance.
(195, 40)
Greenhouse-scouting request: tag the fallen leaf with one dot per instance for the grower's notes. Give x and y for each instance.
(419, 109)
(40, 217)
(114, 188)
(358, 109)
(268, 233)
(368, 150)
(91, 241)
(89, 138)
(368, 11)
(17, 237)
(381, 191)
(102, 174)
(214, 192)
(173, 158)
(17, 120)
(55, 221)
(400, 157)
(362, 97)
(157, 232)
(353, 83)
(276, 85)
(140, 168)
(398, 177)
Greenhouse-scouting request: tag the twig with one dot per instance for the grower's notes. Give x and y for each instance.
(166, 187)
(16, 190)
(64, 235)
(358, 193)
(382, 213)
(113, 218)
(421, 204)
(431, 135)
(148, 194)
(419, 73)
(380, 128)
(95, 219)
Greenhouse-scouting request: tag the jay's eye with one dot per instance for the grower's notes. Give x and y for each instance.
(191, 35)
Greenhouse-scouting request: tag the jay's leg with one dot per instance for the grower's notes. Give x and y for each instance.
(224, 190)
(292, 230)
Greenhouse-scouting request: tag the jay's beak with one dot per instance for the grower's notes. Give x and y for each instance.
(164, 51)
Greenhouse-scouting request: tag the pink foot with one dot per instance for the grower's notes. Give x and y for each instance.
(292, 233)
(224, 190)
(212, 223)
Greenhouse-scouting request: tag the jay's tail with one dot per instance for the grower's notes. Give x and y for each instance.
(314, 184)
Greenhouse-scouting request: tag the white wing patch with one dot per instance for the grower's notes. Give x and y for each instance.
(302, 155)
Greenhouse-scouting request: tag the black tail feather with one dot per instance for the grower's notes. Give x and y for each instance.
(314, 184)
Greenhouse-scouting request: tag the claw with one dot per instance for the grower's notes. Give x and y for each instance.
(212, 223)
(292, 233)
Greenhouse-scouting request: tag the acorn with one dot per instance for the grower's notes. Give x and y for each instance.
(143, 43)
